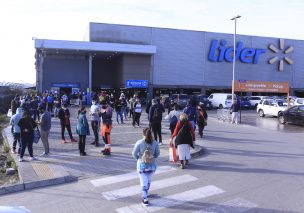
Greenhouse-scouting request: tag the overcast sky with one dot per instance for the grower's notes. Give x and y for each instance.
(68, 20)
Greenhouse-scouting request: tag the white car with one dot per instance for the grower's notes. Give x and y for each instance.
(298, 101)
(270, 107)
(221, 100)
(255, 100)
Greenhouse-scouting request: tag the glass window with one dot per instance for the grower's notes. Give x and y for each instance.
(211, 96)
(293, 109)
(301, 109)
(300, 101)
(266, 102)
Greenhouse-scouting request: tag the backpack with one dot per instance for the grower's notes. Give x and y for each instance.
(157, 115)
(173, 122)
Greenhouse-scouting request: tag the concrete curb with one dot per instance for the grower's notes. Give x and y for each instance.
(24, 185)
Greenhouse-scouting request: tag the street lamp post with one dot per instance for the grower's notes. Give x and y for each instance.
(234, 53)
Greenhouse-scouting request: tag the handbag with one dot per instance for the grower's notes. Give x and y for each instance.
(9, 113)
(36, 135)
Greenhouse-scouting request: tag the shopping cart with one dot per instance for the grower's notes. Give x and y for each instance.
(224, 115)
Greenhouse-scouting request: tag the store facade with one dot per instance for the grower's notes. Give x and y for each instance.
(161, 60)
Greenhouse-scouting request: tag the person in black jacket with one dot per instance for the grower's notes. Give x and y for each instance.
(27, 126)
(64, 116)
(155, 119)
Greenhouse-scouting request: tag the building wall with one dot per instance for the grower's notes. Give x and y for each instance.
(182, 56)
(65, 69)
(136, 67)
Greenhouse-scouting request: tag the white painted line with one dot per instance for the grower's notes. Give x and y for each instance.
(126, 177)
(156, 185)
(173, 200)
(237, 205)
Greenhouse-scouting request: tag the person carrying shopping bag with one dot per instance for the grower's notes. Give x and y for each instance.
(146, 151)
(184, 137)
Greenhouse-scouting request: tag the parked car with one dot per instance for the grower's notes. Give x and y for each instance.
(181, 99)
(245, 103)
(298, 101)
(271, 107)
(294, 114)
(255, 100)
(220, 100)
(203, 99)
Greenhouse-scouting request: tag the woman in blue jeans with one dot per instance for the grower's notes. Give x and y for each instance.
(146, 169)
(27, 126)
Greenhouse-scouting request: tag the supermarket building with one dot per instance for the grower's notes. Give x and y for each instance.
(160, 60)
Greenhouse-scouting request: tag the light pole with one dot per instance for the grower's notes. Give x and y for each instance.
(233, 64)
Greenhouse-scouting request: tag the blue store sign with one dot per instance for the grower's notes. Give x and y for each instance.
(219, 52)
(66, 85)
(136, 84)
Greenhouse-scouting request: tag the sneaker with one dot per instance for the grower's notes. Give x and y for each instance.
(14, 152)
(182, 166)
(145, 202)
(160, 143)
(20, 159)
(93, 143)
(63, 141)
(44, 154)
(73, 140)
(32, 158)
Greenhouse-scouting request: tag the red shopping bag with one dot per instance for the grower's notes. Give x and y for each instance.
(172, 153)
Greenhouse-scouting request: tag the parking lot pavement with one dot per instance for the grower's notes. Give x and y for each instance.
(251, 118)
(64, 164)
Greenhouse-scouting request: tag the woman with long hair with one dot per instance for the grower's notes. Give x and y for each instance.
(27, 126)
(146, 151)
(82, 130)
(185, 136)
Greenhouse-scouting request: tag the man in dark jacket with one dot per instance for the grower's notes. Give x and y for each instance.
(64, 116)
(155, 119)
(15, 104)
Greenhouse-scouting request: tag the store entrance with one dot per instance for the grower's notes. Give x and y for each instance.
(65, 90)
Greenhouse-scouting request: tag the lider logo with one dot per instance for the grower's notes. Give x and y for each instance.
(219, 52)
(274, 49)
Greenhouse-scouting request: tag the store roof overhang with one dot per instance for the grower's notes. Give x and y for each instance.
(45, 44)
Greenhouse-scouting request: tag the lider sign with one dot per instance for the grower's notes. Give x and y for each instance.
(219, 52)
(258, 86)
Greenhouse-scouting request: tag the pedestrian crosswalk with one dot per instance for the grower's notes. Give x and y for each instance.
(181, 190)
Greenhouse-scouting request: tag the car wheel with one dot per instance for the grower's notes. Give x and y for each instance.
(261, 113)
(221, 106)
(282, 119)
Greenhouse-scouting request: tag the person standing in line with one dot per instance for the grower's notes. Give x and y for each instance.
(190, 110)
(27, 126)
(132, 102)
(202, 117)
(15, 103)
(16, 130)
(185, 136)
(173, 117)
(64, 116)
(124, 106)
(118, 109)
(106, 115)
(234, 109)
(50, 102)
(137, 112)
(82, 130)
(34, 109)
(45, 125)
(155, 119)
(146, 151)
(95, 119)
(57, 106)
